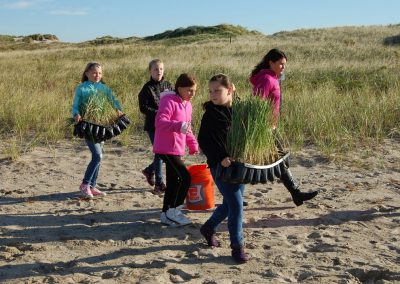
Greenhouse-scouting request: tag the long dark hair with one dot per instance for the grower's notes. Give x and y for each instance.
(89, 67)
(272, 55)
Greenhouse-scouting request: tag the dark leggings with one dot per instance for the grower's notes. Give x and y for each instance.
(178, 181)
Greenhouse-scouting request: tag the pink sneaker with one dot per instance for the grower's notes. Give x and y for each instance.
(97, 192)
(85, 190)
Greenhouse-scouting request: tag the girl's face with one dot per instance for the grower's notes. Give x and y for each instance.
(278, 66)
(187, 93)
(157, 71)
(94, 74)
(219, 94)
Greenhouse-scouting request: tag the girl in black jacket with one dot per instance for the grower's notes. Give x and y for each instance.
(149, 99)
(212, 138)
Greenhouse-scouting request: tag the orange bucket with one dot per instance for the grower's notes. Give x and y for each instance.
(201, 191)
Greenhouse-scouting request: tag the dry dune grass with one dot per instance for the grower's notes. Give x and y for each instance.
(341, 88)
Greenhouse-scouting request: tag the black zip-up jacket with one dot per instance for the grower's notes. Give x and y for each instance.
(149, 100)
(214, 127)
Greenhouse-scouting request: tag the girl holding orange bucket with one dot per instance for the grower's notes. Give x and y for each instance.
(212, 140)
(173, 134)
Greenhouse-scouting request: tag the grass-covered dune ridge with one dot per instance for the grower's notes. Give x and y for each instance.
(218, 30)
(341, 90)
(179, 35)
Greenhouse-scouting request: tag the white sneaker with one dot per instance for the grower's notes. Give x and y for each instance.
(176, 215)
(164, 220)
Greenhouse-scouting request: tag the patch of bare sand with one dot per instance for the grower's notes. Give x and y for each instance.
(349, 233)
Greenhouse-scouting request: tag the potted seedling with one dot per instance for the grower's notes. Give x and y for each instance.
(100, 120)
(258, 151)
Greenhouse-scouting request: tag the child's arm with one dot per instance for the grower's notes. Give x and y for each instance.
(276, 98)
(163, 118)
(210, 139)
(115, 102)
(191, 142)
(76, 103)
(144, 106)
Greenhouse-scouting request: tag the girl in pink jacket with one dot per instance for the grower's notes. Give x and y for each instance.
(173, 133)
(265, 81)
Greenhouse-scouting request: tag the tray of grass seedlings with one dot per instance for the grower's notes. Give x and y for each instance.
(100, 121)
(259, 151)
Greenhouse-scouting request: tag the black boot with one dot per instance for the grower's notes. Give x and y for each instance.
(238, 253)
(297, 196)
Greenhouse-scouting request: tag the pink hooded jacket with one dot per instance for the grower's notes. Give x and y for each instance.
(266, 85)
(172, 113)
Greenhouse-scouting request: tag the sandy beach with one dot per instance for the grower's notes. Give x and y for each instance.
(350, 233)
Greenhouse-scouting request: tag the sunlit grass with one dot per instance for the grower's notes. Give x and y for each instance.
(341, 90)
(250, 137)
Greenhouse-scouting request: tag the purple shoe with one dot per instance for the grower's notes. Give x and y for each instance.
(159, 189)
(209, 235)
(238, 253)
(149, 177)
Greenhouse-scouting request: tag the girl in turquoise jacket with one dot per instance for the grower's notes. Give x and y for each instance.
(92, 85)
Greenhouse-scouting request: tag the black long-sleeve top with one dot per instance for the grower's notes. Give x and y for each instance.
(214, 127)
(149, 100)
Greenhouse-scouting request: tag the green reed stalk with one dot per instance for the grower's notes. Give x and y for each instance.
(251, 138)
(100, 109)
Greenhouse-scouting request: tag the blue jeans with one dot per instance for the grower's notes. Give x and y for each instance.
(92, 169)
(156, 165)
(231, 207)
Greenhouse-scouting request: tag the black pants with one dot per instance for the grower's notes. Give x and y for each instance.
(178, 181)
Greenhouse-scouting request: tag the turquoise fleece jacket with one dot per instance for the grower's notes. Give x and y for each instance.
(85, 91)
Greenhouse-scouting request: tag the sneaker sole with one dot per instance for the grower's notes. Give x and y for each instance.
(179, 224)
(86, 196)
(99, 194)
(173, 223)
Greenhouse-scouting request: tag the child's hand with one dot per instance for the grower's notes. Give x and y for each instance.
(77, 118)
(185, 128)
(226, 162)
(120, 113)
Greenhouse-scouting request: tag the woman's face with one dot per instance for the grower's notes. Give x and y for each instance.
(219, 94)
(157, 71)
(94, 74)
(187, 93)
(278, 66)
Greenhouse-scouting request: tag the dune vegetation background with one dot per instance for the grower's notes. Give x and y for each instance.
(342, 87)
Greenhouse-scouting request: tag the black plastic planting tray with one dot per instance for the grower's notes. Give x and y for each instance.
(245, 173)
(95, 132)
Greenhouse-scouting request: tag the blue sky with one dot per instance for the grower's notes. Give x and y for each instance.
(80, 20)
